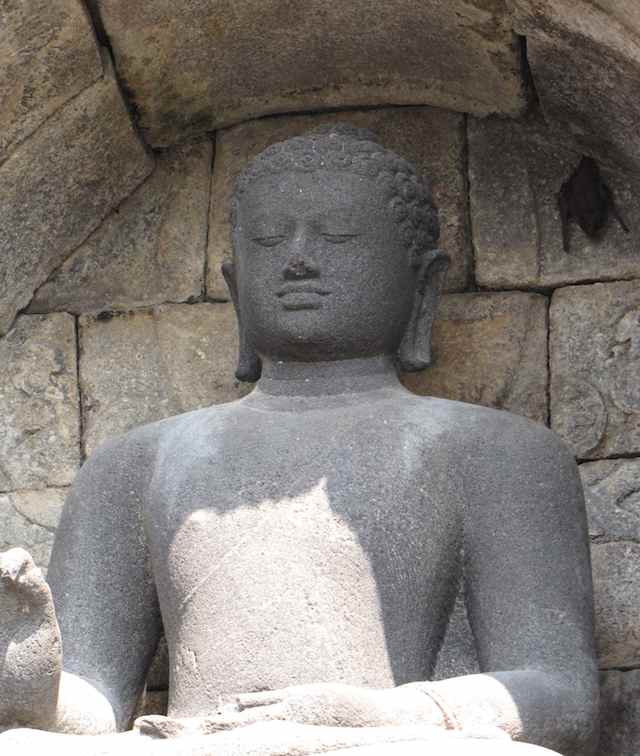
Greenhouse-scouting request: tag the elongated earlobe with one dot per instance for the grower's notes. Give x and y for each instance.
(249, 366)
(415, 350)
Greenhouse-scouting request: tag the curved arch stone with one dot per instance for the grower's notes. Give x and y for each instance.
(585, 60)
(197, 66)
(49, 55)
(59, 184)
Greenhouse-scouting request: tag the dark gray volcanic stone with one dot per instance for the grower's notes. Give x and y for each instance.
(432, 139)
(315, 533)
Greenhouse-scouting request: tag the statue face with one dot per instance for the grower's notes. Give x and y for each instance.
(322, 271)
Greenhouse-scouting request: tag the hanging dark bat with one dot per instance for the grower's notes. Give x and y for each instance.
(585, 198)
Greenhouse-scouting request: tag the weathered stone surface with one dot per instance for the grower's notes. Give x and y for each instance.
(490, 349)
(164, 737)
(196, 67)
(158, 675)
(58, 186)
(153, 702)
(292, 525)
(148, 251)
(430, 138)
(612, 494)
(30, 646)
(39, 443)
(29, 519)
(142, 366)
(585, 61)
(49, 55)
(616, 582)
(458, 654)
(619, 713)
(595, 358)
(516, 171)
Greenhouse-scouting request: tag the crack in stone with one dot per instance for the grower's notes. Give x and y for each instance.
(16, 146)
(30, 520)
(205, 272)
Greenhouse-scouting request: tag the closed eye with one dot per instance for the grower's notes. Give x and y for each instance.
(338, 238)
(268, 241)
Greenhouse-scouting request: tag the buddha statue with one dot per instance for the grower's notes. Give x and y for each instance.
(303, 546)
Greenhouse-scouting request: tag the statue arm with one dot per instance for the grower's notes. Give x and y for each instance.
(103, 592)
(529, 595)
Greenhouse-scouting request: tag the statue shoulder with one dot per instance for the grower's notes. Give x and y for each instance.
(138, 444)
(144, 441)
(136, 452)
(518, 438)
(511, 458)
(484, 431)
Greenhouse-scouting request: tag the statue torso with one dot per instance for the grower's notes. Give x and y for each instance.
(303, 543)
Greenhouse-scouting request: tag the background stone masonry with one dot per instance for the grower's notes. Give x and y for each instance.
(112, 308)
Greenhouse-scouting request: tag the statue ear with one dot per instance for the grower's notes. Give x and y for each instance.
(249, 364)
(415, 350)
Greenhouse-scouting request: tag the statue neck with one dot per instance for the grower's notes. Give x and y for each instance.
(353, 376)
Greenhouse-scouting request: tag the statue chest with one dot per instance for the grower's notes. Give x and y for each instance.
(299, 556)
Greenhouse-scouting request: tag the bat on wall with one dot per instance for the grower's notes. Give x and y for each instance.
(585, 198)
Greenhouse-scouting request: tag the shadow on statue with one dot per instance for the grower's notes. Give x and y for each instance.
(303, 547)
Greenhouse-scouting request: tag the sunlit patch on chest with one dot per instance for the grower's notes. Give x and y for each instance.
(298, 543)
(279, 580)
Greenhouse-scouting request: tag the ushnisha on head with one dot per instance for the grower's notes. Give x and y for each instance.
(334, 253)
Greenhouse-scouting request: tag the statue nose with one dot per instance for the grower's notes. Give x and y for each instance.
(300, 267)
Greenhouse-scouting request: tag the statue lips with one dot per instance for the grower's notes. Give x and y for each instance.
(302, 296)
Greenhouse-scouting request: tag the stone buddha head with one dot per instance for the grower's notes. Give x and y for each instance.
(334, 253)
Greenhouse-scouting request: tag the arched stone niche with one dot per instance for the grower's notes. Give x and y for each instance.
(112, 312)
(198, 66)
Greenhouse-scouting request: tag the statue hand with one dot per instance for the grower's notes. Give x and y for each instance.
(30, 647)
(332, 705)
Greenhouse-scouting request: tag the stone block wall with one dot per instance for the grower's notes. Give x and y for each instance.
(126, 321)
